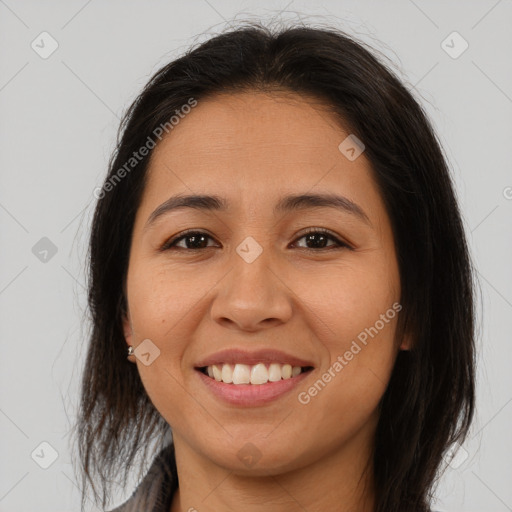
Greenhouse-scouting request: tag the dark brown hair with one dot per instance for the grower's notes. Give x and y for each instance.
(429, 402)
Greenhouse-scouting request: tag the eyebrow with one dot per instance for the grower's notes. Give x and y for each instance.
(286, 204)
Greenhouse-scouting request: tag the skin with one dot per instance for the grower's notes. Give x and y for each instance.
(252, 148)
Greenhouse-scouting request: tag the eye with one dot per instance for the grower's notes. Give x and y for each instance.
(318, 237)
(199, 240)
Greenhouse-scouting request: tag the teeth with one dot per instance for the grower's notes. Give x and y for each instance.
(255, 374)
(274, 372)
(241, 374)
(216, 373)
(226, 373)
(259, 374)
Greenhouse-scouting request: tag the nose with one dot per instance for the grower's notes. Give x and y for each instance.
(252, 296)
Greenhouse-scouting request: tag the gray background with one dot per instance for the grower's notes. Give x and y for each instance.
(58, 121)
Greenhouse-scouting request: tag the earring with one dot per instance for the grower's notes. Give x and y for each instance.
(130, 353)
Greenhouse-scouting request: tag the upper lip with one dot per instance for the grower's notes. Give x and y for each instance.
(236, 355)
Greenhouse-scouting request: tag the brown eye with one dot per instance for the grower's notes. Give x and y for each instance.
(318, 238)
(198, 240)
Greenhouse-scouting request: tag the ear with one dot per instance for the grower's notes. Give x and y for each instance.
(127, 329)
(128, 335)
(406, 342)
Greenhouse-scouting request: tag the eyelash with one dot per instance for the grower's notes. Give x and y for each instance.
(169, 244)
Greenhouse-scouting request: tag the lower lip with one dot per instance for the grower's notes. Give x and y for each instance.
(250, 395)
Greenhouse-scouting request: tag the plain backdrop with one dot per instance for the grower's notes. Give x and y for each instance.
(58, 122)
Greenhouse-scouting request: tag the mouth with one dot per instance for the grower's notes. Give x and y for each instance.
(257, 374)
(244, 385)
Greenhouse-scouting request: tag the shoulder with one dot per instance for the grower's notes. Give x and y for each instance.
(154, 493)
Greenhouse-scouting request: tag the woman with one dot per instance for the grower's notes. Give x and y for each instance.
(278, 247)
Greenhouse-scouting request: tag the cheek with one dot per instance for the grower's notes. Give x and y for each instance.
(346, 392)
(344, 300)
(353, 312)
(160, 299)
(161, 309)
(164, 308)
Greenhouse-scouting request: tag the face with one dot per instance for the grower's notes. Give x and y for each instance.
(317, 282)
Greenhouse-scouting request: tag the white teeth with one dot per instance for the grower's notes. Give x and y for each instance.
(252, 374)
(227, 373)
(259, 374)
(241, 374)
(216, 373)
(287, 371)
(274, 373)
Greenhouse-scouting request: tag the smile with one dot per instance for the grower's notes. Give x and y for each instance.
(257, 374)
(247, 394)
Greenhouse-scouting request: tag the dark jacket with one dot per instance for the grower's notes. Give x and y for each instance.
(154, 493)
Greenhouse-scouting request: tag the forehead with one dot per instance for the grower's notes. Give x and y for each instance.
(255, 141)
(251, 124)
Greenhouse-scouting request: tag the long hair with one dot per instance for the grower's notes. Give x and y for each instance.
(429, 402)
